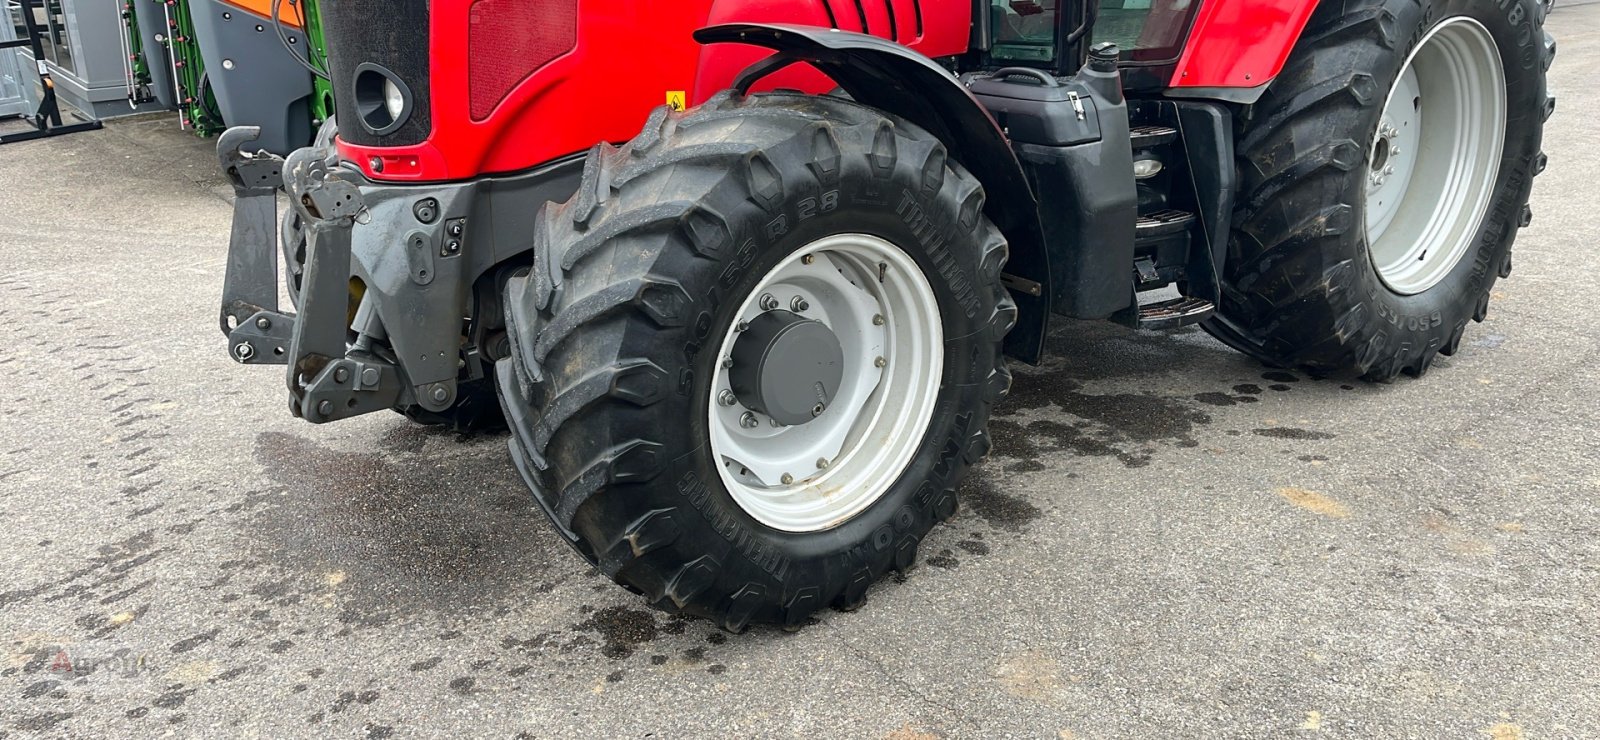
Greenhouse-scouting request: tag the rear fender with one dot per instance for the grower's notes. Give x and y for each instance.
(894, 79)
(1237, 47)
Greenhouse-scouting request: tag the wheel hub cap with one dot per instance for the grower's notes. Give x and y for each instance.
(786, 367)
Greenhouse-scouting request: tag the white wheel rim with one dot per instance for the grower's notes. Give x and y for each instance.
(1435, 156)
(872, 428)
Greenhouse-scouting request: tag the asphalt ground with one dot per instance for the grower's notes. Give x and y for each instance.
(1169, 539)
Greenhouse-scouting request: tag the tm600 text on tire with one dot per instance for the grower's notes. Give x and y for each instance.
(756, 352)
(1383, 178)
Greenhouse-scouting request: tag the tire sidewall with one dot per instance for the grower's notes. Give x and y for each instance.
(1426, 320)
(926, 224)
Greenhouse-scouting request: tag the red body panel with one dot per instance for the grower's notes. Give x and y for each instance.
(630, 55)
(1240, 43)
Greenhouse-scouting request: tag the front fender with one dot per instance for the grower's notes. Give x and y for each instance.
(894, 79)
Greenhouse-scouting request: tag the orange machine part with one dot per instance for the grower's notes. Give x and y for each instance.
(290, 12)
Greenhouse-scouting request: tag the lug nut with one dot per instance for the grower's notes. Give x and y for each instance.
(798, 305)
(776, 424)
(880, 362)
(749, 421)
(440, 394)
(727, 363)
(743, 325)
(768, 302)
(817, 410)
(787, 479)
(822, 463)
(727, 398)
(877, 319)
(808, 259)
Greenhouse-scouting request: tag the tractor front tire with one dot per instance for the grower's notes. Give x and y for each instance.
(806, 244)
(1383, 178)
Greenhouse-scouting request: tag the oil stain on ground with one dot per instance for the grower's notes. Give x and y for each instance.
(1001, 510)
(385, 533)
(1127, 426)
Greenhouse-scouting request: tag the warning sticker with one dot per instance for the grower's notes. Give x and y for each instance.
(676, 100)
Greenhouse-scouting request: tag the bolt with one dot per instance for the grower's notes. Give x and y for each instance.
(440, 394)
(244, 351)
(749, 421)
(1388, 170)
(325, 408)
(822, 463)
(776, 424)
(369, 376)
(743, 325)
(808, 259)
(376, 163)
(727, 363)
(880, 362)
(787, 479)
(768, 302)
(341, 374)
(799, 304)
(727, 398)
(877, 319)
(1393, 150)
(817, 410)
(1380, 181)
(263, 323)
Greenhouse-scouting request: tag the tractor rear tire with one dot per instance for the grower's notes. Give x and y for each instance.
(620, 336)
(1302, 287)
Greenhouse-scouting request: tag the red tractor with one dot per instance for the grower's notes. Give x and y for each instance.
(740, 275)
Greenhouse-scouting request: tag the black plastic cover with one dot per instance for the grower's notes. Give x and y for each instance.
(1036, 113)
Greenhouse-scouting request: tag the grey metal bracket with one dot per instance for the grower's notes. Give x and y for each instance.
(262, 340)
(349, 386)
(250, 284)
(328, 207)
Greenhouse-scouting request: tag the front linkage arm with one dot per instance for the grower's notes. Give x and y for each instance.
(328, 379)
(256, 331)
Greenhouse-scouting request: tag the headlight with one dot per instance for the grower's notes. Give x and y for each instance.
(383, 102)
(393, 99)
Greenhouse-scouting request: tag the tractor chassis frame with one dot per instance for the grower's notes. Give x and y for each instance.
(386, 266)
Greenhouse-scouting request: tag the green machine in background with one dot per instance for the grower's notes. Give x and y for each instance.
(322, 89)
(223, 63)
(197, 105)
(135, 66)
(160, 39)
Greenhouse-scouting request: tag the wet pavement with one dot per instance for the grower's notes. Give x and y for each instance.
(1168, 538)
